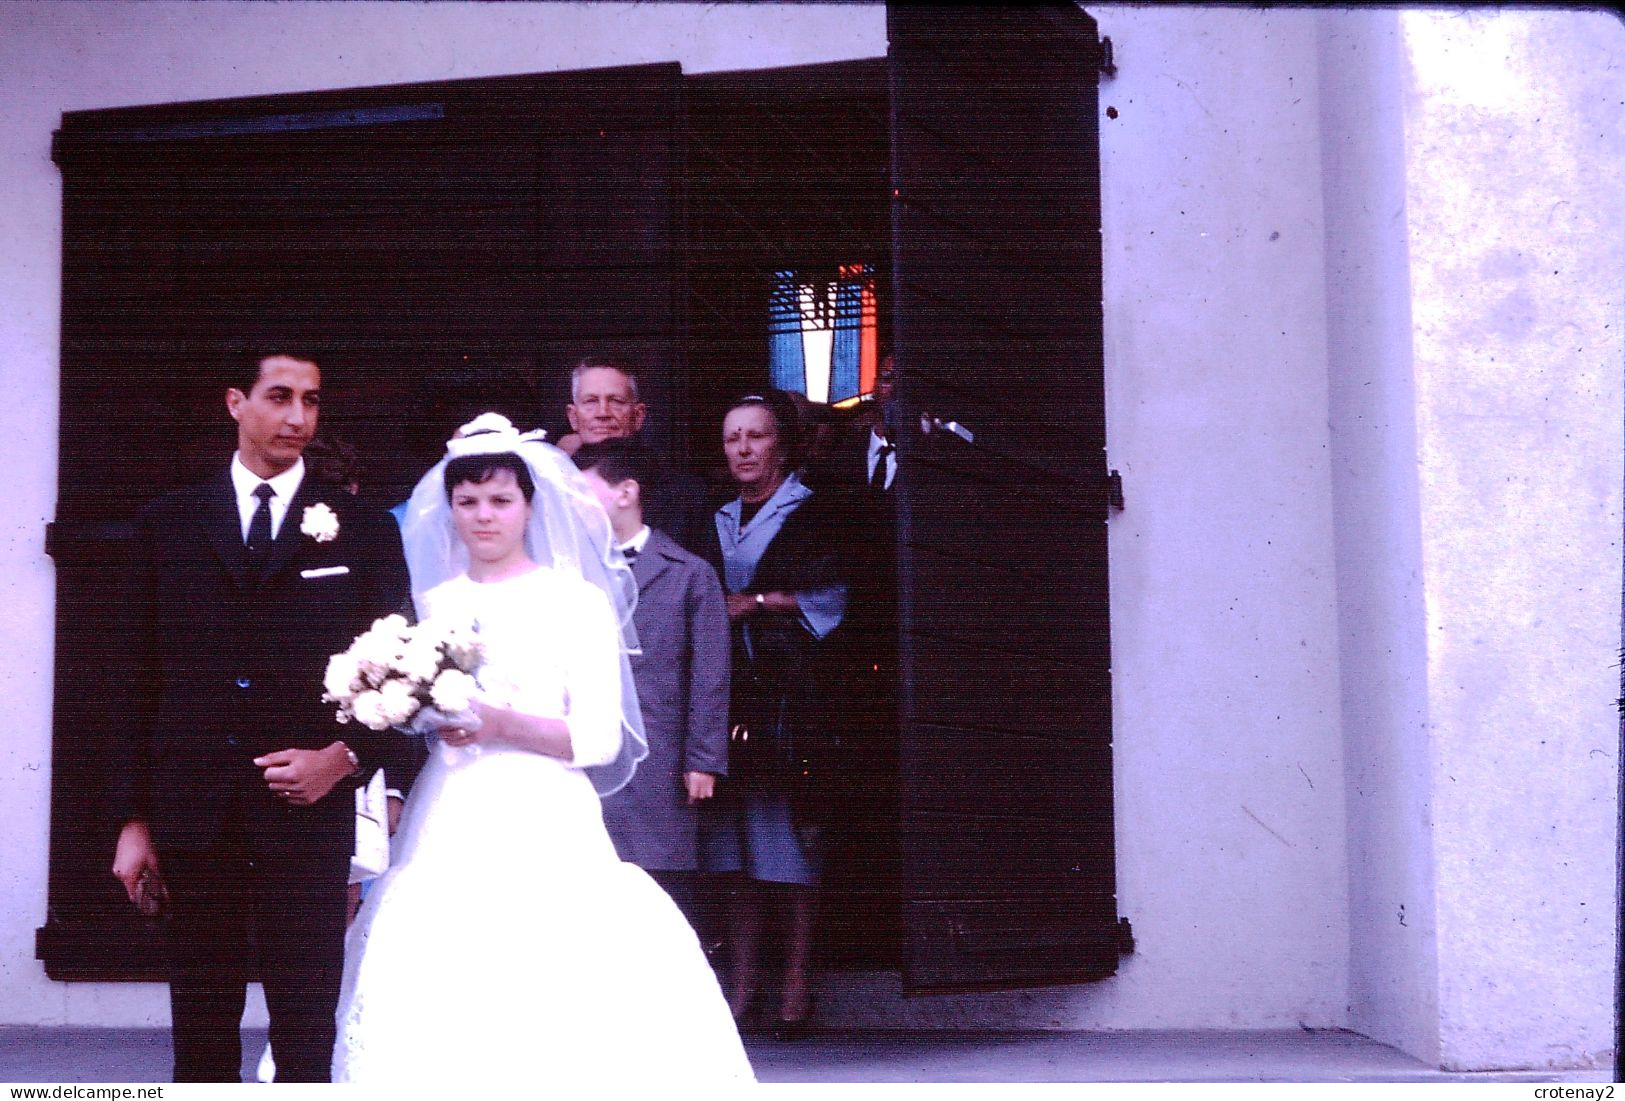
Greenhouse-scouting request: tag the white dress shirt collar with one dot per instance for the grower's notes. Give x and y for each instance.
(283, 487)
(637, 542)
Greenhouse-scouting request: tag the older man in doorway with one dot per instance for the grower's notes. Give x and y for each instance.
(604, 405)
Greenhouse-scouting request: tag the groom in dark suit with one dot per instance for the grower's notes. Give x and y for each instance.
(237, 787)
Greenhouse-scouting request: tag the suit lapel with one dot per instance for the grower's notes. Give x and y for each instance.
(224, 525)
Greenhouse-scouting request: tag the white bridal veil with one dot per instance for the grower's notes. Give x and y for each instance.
(568, 531)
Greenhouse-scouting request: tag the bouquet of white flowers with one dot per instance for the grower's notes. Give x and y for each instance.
(417, 678)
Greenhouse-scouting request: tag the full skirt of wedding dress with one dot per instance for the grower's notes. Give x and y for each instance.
(509, 944)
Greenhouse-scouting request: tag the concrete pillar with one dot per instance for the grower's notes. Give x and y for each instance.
(1514, 154)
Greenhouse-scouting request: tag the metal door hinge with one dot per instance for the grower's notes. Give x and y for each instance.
(1114, 490)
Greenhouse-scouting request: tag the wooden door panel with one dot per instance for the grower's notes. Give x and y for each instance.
(1044, 697)
(1020, 438)
(1038, 782)
(1003, 543)
(1022, 847)
(1040, 205)
(1023, 940)
(959, 597)
(1008, 859)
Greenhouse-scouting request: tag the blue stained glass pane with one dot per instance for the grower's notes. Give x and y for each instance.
(785, 363)
(843, 374)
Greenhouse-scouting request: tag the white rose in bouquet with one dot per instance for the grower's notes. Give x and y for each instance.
(368, 709)
(397, 702)
(389, 628)
(343, 671)
(420, 660)
(378, 650)
(393, 625)
(463, 646)
(453, 691)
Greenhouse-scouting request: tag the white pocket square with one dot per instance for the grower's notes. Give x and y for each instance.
(325, 571)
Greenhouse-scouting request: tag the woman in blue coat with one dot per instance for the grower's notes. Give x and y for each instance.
(771, 547)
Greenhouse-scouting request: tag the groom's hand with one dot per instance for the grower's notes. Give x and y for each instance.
(134, 856)
(304, 776)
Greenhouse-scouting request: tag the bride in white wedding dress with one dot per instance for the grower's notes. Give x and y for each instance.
(507, 942)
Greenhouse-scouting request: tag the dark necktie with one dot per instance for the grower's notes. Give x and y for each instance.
(877, 479)
(629, 553)
(259, 525)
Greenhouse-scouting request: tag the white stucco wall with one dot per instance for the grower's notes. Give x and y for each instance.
(1393, 974)
(1228, 754)
(1293, 595)
(1515, 198)
(1474, 194)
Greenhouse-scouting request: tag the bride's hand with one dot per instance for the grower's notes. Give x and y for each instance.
(460, 736)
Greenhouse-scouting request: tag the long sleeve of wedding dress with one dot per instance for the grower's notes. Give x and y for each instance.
(592, 705)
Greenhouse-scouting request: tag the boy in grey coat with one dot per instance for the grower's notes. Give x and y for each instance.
(681, 675)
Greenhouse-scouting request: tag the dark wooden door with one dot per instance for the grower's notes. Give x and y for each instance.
(481, 232)
(1008, 866)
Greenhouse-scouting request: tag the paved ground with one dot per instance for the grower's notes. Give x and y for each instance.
(82, 1056)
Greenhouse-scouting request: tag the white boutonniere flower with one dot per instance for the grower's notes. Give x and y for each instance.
(320, 523)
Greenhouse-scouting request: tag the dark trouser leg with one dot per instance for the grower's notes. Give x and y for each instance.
(299, 912)
(206, 942)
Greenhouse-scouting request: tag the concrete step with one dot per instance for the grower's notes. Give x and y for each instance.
(64, 1056)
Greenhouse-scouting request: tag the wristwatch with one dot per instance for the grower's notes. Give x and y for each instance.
(355, 762)
(761, 601)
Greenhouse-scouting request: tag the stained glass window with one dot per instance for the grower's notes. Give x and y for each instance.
(822, 339)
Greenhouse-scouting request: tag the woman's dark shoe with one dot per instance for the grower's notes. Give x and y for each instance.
(794, 1022)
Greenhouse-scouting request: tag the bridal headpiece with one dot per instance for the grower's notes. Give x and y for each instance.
(568, 531)
(490, 434)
